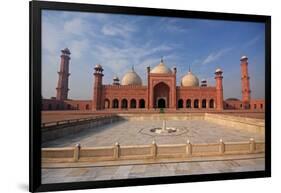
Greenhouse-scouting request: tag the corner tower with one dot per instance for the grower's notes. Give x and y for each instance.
(219, 89)
(245, 82)
(62, 87)
(97, 95)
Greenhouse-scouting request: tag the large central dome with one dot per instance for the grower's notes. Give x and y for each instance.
(131, 78)
(161, 69)
(190, 80)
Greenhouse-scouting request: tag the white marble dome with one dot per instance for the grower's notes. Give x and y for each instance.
(190, 80)
(131, 78)
(161, 69)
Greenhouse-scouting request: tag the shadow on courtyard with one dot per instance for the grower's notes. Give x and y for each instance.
(69, 139)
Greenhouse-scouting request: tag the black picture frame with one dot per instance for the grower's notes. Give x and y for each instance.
(36, 8)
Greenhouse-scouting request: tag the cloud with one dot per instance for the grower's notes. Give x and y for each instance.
(73, 26)
(215, 55)
(172, 25)
(121, 30)
(253, 41)
(116, 59)
(50, 37)
(78, 47)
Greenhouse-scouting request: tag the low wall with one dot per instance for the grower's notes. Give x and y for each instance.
(249, 124)
(152, 151)
(54, 130)
(166, 116)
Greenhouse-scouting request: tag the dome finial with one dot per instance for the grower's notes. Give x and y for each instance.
(133, 69)
(189, 68)
(162, 60)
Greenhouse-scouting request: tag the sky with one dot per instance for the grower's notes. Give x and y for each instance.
(118, 42)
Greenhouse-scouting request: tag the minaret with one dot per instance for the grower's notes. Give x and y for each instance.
(97, 95)
(149, 103)
(219, 89)
(62, 87)
(245, 82)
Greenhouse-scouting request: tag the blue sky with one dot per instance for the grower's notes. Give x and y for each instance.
(118, 42)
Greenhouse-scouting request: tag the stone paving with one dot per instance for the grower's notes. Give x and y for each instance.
(130, 133)
(57, 175)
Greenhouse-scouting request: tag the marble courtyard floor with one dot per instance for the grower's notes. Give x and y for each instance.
(95, 173)
(130, 133)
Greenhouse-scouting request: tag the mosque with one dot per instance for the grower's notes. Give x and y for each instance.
(161, 91)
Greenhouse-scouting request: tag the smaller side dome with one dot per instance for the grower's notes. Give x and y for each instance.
(131, 78)
(190, 80)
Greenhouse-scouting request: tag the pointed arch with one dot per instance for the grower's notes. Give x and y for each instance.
(180, 103)
(115, 104)
(124, 104)
(141, 103)
(188, 103)
(133, 104)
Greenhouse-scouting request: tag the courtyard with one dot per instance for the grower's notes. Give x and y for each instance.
(132, 130)
(137, 133)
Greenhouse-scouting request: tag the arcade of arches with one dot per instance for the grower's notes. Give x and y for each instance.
(124, 103)
(159, 103)
(161, 97)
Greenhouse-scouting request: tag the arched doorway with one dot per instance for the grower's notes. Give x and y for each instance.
(115, 104)
(124, 104)
(161, 103)
(141, 103)
(196, 103)
(106, 104)
(188, 103)
(211, 104)
(133, 104)
(204, 103)
(161, 93)
(180, 103)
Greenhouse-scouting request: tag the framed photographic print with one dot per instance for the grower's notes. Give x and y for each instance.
(126, 96)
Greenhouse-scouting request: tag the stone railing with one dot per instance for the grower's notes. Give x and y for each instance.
(68, 121)
(249, 124)
(54, 130)
(152, 151)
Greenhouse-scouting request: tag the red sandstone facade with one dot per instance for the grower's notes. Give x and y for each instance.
(161, 91)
